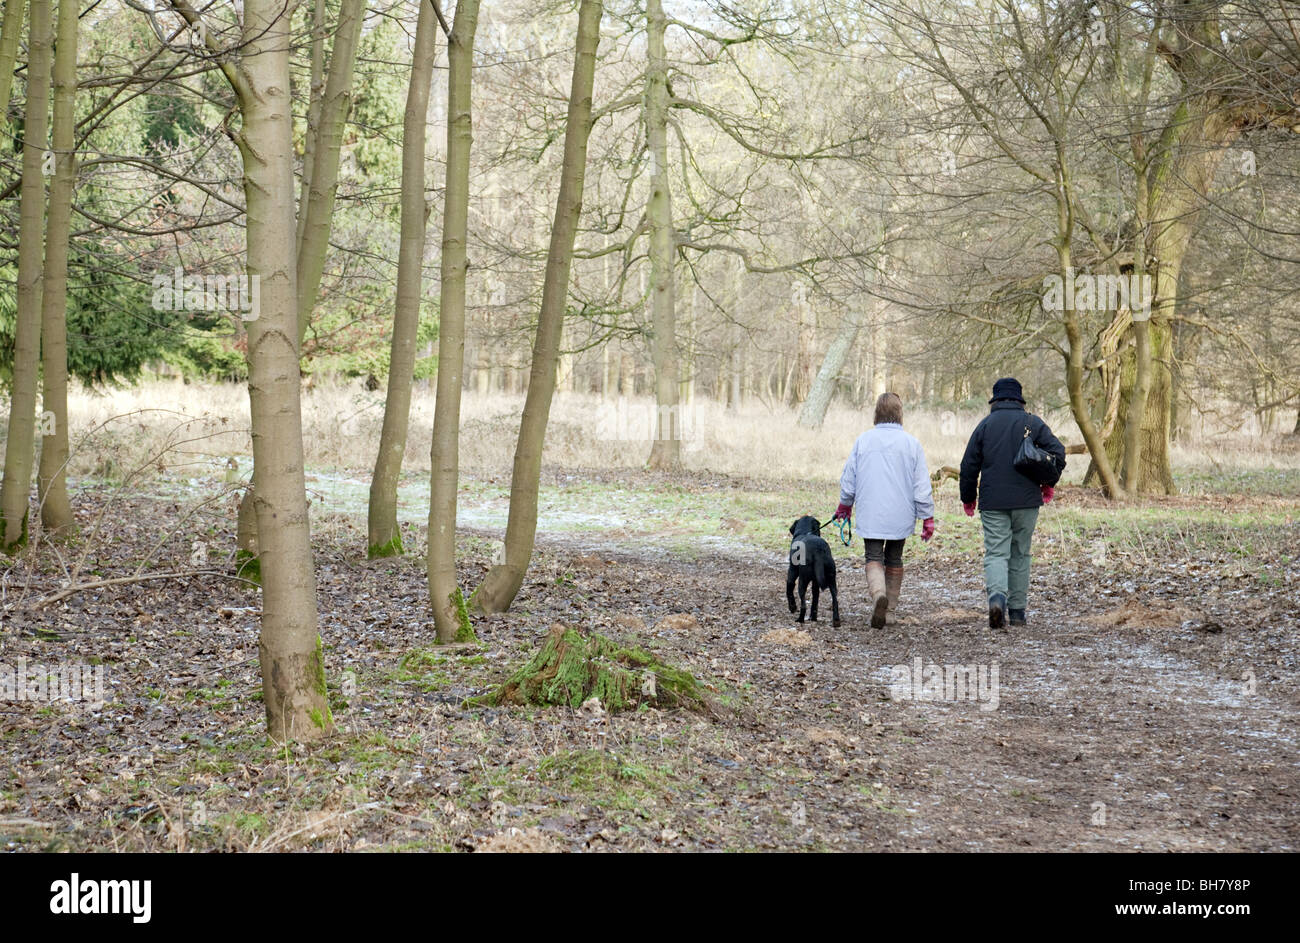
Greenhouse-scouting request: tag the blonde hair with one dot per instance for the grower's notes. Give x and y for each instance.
(889, 408)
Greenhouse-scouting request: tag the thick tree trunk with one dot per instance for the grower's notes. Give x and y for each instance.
(502, 582)
(1191, 148)
(813, 413)
(52, 481)
(666, 452)
(20, 446)
(293, 669)
(445, 596)
(324, 181)
(384, 537)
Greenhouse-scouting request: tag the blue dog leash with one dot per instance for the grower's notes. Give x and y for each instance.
(845, 527)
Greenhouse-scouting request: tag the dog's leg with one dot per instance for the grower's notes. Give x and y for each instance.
(791, 575)
(835, 602)
(816, 594)
(803, 597)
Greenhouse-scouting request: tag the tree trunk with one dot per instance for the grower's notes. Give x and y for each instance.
(384, 537)
(737, 376)
(1191, 148)
(52, 481)
(20, 446)
(10, 33)
(324, 182)
(879, 371)
(813, 413)
(315, 93)
(293, 669)
(502, 582)
(444, 594)
(1074, 369)
(666, 452)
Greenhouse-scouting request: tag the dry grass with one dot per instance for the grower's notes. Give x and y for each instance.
(1136, 615)
(519, 841)
(678, 622)
(794, 638)
(203, 426)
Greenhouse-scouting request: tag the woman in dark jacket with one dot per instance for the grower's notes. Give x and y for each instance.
(1008, 501)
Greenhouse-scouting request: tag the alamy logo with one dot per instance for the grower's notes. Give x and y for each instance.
(37, 682)
(76, 896)
(240, 294)
(922, 682)
(1087, 292)
(624, 421)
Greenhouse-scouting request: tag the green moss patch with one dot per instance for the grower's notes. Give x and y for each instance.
(572, 666)
(391, 549)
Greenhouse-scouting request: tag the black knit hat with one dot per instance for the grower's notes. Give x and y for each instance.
(1007, 388)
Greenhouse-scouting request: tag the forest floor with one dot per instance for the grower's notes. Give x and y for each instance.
(1152, 703)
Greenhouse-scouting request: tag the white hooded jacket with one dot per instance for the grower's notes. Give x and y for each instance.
(887, 482)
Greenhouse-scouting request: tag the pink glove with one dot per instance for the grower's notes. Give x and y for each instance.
(844, 510)
(927, 528)
(969, 509)
(1048, 493)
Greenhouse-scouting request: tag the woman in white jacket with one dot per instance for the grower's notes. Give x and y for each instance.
(887, 478)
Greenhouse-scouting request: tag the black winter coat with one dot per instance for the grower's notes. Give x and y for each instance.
(991, 454)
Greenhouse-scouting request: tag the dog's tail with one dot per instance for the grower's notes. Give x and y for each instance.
(819, 570)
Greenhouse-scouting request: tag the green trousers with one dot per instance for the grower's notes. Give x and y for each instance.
(1006, 553)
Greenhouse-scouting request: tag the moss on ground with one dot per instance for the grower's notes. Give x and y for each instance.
(464, 628)
(572, 666)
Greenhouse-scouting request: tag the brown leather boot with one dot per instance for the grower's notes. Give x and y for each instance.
(877, 591)
(893, 586)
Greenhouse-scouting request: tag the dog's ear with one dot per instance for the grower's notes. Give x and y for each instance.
(792, 528)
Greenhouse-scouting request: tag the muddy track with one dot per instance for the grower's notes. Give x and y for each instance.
(1137, 711)
(1144, 736)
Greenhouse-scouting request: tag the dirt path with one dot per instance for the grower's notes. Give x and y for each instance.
(1138, 735)
(1138, 710)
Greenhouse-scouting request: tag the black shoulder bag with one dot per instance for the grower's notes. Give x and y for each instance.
(1032, 462)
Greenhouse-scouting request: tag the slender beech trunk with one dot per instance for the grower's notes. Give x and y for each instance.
(20, 447)
(502, 582)
(293, 669)
(666, 453)
(813, 413)
(10, 33)
(384, 537)
(318, 218)
(445, 596)
(326, 116)
(315, 93)
(52, 482)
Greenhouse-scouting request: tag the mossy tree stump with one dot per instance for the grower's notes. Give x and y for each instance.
(572, 666)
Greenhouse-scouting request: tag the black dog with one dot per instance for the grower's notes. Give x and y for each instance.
(810, 562)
